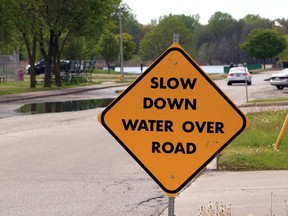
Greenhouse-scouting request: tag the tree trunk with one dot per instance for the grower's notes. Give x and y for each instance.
(48, 60)
(31, 51)
(32, 64)
(56, 58)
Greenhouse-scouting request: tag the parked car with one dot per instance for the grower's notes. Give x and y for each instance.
(40, 66)
(239, 75)
(280, 80)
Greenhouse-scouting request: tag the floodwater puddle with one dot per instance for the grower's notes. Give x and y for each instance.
(64, 106)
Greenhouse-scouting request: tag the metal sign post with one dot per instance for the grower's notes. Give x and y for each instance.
(171, 206)
(246, 83)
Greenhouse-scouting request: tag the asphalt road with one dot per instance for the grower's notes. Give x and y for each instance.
(67, 164)
(259, 89)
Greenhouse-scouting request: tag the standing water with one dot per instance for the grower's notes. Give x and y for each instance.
(64, 106)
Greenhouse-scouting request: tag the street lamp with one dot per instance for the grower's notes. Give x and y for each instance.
(121, 45)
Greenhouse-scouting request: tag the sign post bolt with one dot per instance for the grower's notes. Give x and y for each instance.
(176, 38)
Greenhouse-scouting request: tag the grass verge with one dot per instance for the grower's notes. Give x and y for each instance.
(269, 100)
(254, 148)
(99, 76)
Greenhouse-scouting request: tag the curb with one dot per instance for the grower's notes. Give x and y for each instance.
(50, 93)
(265, 104)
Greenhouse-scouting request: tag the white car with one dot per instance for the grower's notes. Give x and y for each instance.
(239, 75)
(280, 80)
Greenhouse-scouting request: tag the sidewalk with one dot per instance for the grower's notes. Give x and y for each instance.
(257, 193)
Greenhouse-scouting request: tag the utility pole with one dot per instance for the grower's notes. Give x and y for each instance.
(121, 46)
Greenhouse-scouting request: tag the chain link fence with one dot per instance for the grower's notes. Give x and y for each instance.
(9, 67)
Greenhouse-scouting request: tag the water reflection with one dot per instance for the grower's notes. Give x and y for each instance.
(64, 106)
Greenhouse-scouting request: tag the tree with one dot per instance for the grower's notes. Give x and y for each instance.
(246, 25)
(220, 24)
(264, 44)
(64, 19)
(7, 31)
(52, 23)
(225, 32)
(284, 55)
(75, 48)
(204, 45)
(109, 48)
(129, 25)
(24, 19)
(161, 37)
(218, 41)
(80, 47)
(128, 46)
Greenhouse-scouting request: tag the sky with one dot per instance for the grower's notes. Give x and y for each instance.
(146, 10)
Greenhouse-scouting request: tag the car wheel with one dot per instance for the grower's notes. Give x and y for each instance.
(280, 87)
(229, 83)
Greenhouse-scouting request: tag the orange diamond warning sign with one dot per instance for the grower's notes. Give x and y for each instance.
(173, 120)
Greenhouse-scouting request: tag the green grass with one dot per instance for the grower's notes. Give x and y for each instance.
(269, 100)
(254, 148)
(16, 87)
(99, 76)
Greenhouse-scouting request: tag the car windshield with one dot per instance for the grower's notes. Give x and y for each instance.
(242, 69)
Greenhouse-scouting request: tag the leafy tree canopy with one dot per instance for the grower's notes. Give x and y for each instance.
(264, 43)
(161, 36)
(109, 48)
(128, 46)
